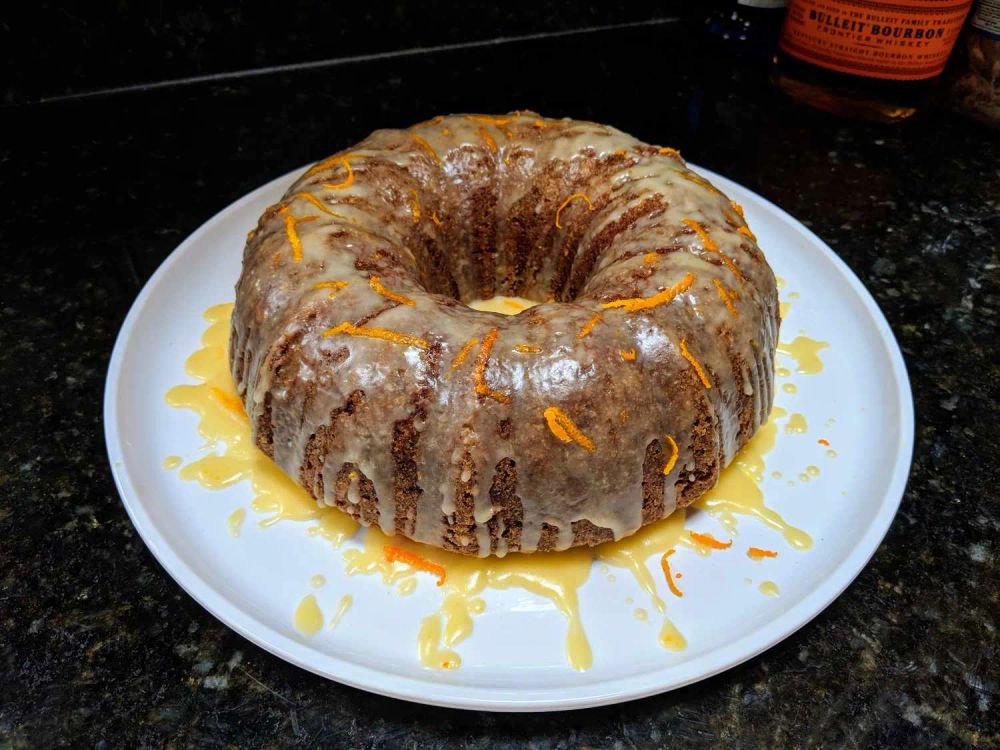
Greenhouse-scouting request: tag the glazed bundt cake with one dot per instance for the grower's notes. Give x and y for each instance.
(645, 365)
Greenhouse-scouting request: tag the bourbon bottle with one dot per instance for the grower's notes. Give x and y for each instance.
(866, 58)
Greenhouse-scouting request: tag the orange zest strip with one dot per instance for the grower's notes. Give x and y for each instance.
(335, 286)
(376, 284)
(325, 164)
(660, 298)
(669, 151)
(702, 375)
(398, 554)
(435, 219)
(527, 348)
(377, 333)
(738, 209)
(482, 359)
(674, 451)
(756, 553)
(707, 540)
(488, 140)
(650, 258)
(429, 123)
(712, 247)
(492, 120)
(665, 564)
(230, 402)
(346, 182)
(627, 354)
(575, 196)
(540, 124)
(589, 326)
(316, 202)
(823, 441)
(565, 428)
(460, 357)
(415, 207)
(727, 296)
(699, 180)
(422, 142)
(745, 231)
(293, 234)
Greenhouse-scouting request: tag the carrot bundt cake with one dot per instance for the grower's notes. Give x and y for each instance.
(639, 361)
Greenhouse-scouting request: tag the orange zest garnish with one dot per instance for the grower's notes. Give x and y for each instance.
(527, 348)
(540, 124)
(398, 554)
(482, 359)
(669, 151)
(650, 258)
(293, 234)
(712, 247)
(699, 180)
(627, 354)
(488, 140)
(346, 182)
(334, 286)
(315, 201)
(702, 375)
(376, 284)
(738, 209)
(429, 123)
(230, 402)
(589, 326)
(565, 428)
(727, 296)
(415, 207)
(377, 333)
(492, 120)
(435, 219)
(707, 540)
(660, 298)
(756, 553)
(460, 357)
(674, 451)
(823, 441)
(422, 142)
(665, 564)
(745, 231)
(575, 196)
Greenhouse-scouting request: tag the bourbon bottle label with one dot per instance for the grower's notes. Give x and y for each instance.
(895, 40)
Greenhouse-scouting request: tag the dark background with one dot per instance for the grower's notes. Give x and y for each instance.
(99, 647)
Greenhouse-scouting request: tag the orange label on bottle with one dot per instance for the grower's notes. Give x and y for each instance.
(902, 41)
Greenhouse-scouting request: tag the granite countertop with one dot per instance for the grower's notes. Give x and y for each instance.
(98, 645)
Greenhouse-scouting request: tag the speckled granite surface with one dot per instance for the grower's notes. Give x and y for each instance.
(99, 647)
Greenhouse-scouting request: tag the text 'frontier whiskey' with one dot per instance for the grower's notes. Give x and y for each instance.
(865, 58)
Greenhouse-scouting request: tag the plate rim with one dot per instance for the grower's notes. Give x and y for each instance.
(456, 694)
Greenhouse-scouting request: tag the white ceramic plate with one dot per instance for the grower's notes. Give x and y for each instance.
(514, 661)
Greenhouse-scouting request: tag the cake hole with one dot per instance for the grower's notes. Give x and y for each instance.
(503, 305)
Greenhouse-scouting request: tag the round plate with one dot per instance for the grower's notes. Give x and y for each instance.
(514, 661)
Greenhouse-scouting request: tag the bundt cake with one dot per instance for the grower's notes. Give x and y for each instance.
(644, 366)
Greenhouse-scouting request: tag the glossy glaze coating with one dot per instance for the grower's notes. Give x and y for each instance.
(647, 366)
